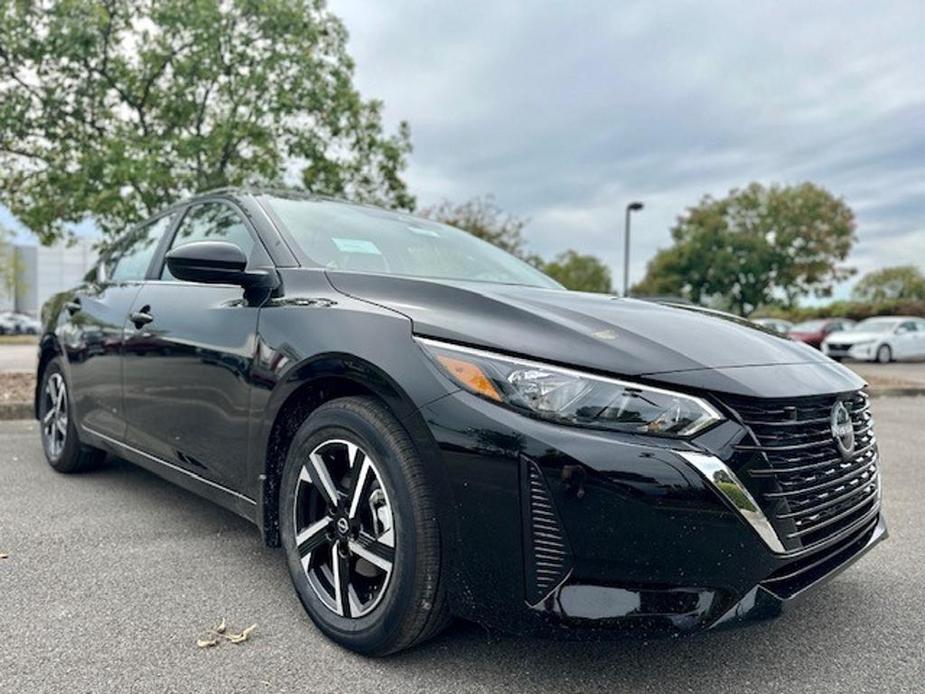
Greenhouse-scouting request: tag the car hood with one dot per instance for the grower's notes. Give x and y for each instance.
(599, 332)
(853, 338)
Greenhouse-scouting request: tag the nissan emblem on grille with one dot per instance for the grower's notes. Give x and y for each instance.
(842, 429)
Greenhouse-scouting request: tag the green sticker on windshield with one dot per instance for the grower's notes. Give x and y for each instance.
(356, 246)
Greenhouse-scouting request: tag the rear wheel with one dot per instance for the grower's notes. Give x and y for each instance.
(63, 449)
(884, 354)
(360, 531)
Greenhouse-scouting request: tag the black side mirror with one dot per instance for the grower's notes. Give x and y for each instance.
(216, 262)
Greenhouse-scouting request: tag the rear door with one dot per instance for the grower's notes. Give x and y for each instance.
(188, 357)
(920, 339)
(91, 334)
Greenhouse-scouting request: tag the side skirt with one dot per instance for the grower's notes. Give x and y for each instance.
(216, 493)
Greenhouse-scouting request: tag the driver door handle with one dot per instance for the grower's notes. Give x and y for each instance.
(141, 318)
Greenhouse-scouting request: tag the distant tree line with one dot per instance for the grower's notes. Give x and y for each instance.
(896, 290)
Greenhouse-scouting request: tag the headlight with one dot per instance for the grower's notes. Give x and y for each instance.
(571, 397)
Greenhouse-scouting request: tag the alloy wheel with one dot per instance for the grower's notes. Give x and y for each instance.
(344, 528)
(884, 354)
(55, 415)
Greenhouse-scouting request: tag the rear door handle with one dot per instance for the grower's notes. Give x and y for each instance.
(72, 306)
(141, 318)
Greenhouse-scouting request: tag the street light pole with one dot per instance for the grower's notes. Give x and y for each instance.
(632, 207)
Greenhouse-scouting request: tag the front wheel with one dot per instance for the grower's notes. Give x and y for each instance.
(359, 528)
(60, 442)
(884, 354)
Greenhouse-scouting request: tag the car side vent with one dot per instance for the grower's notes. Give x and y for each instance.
(547, 554)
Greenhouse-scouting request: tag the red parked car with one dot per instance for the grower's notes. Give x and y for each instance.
(813, 332)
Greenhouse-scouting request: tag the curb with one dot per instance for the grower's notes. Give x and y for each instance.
(16, 410)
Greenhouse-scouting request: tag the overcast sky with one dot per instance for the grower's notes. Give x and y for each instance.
(567, 110)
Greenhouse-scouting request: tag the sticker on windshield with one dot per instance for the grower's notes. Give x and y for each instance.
(356, 246)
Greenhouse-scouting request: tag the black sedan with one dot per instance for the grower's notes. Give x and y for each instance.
(430, 427)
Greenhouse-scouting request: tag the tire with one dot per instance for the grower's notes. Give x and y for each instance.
(60, 441)
(393, 596)
(884, 354)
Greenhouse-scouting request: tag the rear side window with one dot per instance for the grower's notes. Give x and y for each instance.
(131, 257)
(211, 221)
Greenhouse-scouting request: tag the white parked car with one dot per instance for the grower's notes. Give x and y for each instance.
(883, 339)
(7, 325)
(18, 324)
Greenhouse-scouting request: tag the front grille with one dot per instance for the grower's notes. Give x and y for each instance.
(810, 492)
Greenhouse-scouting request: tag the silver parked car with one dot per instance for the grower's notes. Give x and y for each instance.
(883, 339)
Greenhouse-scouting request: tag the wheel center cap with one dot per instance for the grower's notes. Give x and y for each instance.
(343, 527)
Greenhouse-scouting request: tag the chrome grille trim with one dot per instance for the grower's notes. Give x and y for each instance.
(810, 492)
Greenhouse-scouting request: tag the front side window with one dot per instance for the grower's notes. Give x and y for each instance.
(211, 221)
(129, 260)
(343, 236)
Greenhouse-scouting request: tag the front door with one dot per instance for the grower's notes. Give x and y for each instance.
(905, 342)
(92, 335)
(188, 357)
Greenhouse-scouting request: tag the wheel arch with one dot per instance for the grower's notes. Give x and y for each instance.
(305, 387)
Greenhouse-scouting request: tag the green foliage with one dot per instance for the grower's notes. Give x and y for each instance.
(856, 310)
(583, 273)
(757, 246)
(11, 280)
(482, 218)
(891, 284)
(114, 109)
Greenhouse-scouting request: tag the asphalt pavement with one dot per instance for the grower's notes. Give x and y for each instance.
(18, 357)
(112, 575)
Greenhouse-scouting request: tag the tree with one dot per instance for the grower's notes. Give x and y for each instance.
(891, 284)
(113, 108)
(757, 246)
(583, 273)
(11, 280)
(482, 218)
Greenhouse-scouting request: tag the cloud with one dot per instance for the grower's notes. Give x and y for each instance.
(565, 111)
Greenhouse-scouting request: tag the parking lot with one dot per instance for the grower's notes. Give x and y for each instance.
(111, 576)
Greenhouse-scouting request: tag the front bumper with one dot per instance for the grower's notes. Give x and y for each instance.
(575, 532)
(859, 352)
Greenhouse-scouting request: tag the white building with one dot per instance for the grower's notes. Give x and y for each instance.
(44, 271)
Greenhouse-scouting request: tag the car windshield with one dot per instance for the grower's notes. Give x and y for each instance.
(809, 326)
(876, 325)
(344, 236)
